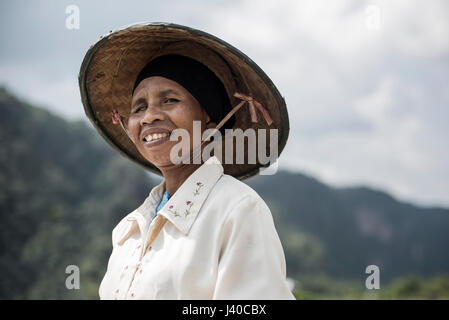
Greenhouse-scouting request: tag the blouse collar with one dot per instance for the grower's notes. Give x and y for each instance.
(183, 206)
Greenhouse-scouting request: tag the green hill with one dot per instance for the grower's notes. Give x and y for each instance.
(62, 190)
(356, 227)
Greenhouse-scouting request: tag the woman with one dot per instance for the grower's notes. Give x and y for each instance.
(201, 233)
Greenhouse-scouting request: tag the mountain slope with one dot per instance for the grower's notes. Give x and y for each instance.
(62, 190)
(358, 226)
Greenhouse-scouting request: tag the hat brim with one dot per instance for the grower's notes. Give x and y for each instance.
(112, 64)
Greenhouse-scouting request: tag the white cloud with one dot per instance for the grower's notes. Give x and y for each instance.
(356, 95)
(375, 105)
(31, 82)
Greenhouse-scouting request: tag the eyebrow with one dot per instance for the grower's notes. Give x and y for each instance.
(167, 92)
(162, 93)
(138, 101)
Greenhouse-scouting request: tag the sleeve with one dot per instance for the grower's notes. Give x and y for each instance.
(251, 262)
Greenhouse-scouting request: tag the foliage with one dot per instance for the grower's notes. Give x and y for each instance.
(410, 287)
(62, 190)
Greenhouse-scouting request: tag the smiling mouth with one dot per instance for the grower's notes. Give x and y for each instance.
(155, 139)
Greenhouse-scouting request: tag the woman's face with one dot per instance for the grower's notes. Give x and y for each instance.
(160, 105)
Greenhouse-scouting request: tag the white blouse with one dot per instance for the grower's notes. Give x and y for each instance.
(217, 240)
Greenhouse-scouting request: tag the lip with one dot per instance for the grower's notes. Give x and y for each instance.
(153, 131)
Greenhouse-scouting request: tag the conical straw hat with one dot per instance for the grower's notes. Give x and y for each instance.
(110, 68)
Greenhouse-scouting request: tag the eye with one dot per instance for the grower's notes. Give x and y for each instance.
(170, 100)
(139, 108)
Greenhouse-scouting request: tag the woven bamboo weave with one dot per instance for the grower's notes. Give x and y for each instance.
(111, 66)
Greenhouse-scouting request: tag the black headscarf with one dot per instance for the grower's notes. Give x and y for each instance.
(196, 78)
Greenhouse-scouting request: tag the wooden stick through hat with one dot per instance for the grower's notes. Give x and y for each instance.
(252, 103)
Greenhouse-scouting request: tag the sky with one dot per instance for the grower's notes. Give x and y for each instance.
(366, 82)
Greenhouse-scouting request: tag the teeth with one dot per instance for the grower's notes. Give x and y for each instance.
(155, 136)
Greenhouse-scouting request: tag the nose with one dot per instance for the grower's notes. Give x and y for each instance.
(152, 113)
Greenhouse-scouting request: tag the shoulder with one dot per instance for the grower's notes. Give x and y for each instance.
(235, 187)
(119, 229)
(230, 188)
(123, 227)
(235, 196)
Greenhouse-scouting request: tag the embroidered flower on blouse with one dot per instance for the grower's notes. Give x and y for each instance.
(173, 212)
(189, 206)
(189, 203)
(197, 191)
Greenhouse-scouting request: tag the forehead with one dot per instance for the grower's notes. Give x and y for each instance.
(156, 86)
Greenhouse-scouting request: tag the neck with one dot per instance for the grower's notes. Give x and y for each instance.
(175, 176)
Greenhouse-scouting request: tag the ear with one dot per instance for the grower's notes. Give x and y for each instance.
(209, 123)
(119, 119)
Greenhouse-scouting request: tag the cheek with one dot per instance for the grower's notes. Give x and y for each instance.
(133, 128)
(187, 113)
(183, 117)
